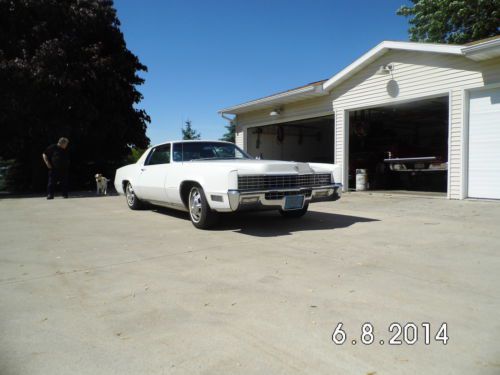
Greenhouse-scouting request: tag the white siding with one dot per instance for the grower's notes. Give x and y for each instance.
(240, 136)
(455, 152)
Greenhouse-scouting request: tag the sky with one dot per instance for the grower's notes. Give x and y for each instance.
(206, 55)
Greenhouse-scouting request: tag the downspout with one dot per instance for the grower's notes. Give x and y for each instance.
(223, 115)
(231, 120)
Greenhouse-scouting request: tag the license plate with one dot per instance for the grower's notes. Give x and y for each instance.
(294, 202)
(419, 165)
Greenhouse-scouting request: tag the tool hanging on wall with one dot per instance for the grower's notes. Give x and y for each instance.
(280, 134)
(257, 142)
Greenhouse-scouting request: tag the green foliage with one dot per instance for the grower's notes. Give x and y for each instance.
(135, 154)
(188, 132)
(230, 135)
(65, 70)
(452, 21)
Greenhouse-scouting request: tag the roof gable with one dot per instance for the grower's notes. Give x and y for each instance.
(383, 48)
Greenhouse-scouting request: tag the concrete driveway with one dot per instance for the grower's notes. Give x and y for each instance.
(89, 287)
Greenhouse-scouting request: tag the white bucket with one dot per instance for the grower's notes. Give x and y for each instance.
(361, 180)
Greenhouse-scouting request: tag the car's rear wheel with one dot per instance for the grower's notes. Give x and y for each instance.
(132, 201)
(295, 213)
(200, 212)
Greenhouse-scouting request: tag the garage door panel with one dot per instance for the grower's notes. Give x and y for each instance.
(484, 144)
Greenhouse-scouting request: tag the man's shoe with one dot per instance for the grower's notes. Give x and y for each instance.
(65, 196)
(50, 197)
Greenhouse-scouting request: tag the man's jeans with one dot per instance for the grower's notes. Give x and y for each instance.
(55, 176)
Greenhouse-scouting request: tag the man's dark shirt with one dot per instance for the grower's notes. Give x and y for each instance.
(58, 157)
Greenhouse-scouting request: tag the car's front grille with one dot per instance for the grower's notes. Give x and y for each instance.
(283, 181)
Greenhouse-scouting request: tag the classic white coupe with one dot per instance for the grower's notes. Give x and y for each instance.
(208, 177)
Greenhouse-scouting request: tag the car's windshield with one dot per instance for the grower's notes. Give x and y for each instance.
(187, 151)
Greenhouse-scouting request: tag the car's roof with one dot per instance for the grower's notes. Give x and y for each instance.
(191, 141)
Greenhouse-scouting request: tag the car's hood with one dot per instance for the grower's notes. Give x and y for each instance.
(254, 166)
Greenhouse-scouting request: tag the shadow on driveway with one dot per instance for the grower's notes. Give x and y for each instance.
(72, 195)
(271, 223)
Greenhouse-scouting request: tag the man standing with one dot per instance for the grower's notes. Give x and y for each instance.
(56, 158)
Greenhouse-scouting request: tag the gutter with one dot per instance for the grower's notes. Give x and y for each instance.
(312, 90)
(482, 51)
(224, 116)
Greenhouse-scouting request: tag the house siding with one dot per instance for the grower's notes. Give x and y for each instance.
(240, 136)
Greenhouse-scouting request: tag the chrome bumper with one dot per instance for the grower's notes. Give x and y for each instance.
(267, 199)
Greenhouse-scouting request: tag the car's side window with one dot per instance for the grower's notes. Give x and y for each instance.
(159, 155)
(177, 152)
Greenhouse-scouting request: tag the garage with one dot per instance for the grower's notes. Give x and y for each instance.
(484, 144)
(404, 117)
(400, 147)
(309, 140)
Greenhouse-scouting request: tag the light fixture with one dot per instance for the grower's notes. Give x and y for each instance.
(275, 112)
(385, 69)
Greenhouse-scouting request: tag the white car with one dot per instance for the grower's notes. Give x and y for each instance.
(209, 177)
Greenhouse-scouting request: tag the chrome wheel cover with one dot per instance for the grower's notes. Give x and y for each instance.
(195, 207)
(130, 195)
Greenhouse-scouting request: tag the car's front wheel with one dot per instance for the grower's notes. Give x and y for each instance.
(132, 201)
(295, 213)
(200, 213)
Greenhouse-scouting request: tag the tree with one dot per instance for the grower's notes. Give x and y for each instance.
(188, 132)
(229, 136)
(135, 154)
(65, 70)
(455, 22)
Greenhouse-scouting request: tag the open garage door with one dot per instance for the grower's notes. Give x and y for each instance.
(309, 140)
(484, 144)
(401, 147)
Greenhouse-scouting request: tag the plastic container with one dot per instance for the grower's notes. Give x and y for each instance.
(361, 180)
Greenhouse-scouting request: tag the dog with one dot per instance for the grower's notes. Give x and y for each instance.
(102, 184)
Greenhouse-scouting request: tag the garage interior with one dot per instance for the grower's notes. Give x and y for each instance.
(401, 147)
(309, 140)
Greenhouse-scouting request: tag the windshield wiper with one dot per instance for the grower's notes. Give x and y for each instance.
(217, 158)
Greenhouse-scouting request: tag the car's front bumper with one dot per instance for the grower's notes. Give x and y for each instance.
(268, 199)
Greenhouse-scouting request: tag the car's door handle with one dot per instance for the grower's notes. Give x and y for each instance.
(143, 169)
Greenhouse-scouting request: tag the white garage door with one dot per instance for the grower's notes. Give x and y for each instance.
(484, 144)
